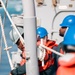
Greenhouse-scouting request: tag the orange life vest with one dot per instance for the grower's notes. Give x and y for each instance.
(67, 64)
(48, 60)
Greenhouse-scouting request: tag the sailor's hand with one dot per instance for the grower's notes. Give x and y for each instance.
(10, 74)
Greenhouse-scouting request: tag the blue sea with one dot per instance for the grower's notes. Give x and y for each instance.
(4, 62)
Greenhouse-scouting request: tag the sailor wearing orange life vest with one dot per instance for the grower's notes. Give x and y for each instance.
(67, 62)
(68, 21)
(48, 68)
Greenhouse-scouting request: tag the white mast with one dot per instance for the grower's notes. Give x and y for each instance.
(30, 37)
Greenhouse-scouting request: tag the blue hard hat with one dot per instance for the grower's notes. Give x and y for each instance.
(68, 21)
(41, 32)
(69, 38)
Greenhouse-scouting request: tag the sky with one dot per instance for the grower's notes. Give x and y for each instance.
(13, 7)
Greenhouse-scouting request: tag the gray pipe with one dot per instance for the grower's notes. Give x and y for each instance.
(30, 37)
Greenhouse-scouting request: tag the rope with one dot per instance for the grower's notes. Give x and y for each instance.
(4, 34)
(5, 13)
(6, 47)
(1, 36)
(52, 50)
(1, 49)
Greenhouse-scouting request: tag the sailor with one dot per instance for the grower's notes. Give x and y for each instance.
(20, 70)
(67, 62)
(42, 38)
(68, 21)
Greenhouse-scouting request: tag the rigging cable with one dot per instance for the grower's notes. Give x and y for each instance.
(13, 27)
(1, 49)
(4, 38)
(5, 13)
(6, 47)
(1, 36)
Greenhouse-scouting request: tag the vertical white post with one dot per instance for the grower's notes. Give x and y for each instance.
(30, 37)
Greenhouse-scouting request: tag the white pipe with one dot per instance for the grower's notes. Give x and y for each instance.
(10, 62)
(51, 50)
(11, 20)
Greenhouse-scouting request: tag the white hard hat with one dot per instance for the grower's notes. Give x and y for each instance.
(14, 35)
